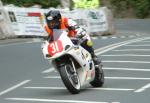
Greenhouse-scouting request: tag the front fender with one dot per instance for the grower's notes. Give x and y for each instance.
(63, 60)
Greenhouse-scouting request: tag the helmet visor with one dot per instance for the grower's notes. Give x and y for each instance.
(53, 24)
(49, 18)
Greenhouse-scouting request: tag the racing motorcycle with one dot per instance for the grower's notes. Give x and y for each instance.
(72, 62)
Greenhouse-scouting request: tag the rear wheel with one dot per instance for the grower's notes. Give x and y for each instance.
(99, 77)
(70, 78)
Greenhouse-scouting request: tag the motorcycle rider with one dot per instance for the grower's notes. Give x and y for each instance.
(54, 20)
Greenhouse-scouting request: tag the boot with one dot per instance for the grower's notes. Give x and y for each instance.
(95, 59)
(91, 51)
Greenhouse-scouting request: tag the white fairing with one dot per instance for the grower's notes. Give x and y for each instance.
(86, 72)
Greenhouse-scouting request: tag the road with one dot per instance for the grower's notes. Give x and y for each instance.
(25, 77)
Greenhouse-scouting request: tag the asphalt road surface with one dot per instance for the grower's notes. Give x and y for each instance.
(26, 77)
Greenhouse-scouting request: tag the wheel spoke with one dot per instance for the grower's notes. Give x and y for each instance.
(71, 75)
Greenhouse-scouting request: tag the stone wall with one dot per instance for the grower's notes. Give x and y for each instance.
(5, 29)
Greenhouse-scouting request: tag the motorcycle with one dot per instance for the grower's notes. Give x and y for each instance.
(72, 62)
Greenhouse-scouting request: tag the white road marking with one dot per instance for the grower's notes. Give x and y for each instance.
(145, 41)
(138, 45)
(53, 77)
(51, 100)
(14, 87)
(113, 37)
(143, 88)
(36, 40)
(130, 69)
(115, 102)
(48, 70)
(131, 36)
(111, 89)
(94, 37)
(104, 37)
(20, 42)
(116, 45)
(117, 61)
(125, 78)
(122, 36)
(131, 55)
(132, 50)
(10, 44)
(138, 34)
(45, 88)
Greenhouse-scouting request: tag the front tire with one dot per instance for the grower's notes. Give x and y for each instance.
(70, 80)
(99, 77)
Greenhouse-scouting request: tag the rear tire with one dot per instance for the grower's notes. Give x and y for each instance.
(99, 77)
(72, 84)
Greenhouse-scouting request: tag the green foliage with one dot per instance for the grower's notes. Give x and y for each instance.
(27, 3)
(140, 7)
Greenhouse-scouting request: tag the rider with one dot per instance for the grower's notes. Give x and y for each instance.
(54, 20)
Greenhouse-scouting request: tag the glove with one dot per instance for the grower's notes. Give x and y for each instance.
(89, 43)
(80, 33)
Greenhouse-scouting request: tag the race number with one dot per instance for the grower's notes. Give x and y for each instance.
(55, 47)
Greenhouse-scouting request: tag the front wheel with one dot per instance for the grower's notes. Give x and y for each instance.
(99, 77)
(70, 78)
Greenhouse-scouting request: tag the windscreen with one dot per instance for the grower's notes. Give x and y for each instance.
(57, 33)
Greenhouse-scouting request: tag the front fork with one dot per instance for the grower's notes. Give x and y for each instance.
(74, 69)
(74, 72)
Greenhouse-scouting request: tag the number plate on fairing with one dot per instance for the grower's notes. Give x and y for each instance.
(55, 47)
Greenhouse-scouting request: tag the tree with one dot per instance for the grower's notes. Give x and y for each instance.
(28, 3)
